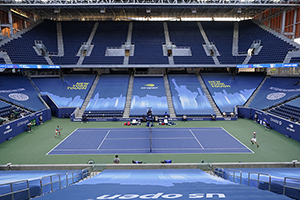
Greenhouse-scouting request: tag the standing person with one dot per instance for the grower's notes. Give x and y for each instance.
(184, 118)
(116, 159)
(57, 131)
(41, 119)
(29, 126)
(253, 140)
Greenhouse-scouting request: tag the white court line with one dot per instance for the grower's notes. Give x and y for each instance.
(103, 140)
(237, 140)
(196, 139)
(61, 141)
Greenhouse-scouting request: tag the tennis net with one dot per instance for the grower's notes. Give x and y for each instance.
(150, 129)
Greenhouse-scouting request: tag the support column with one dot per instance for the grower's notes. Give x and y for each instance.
(283, 22)
(10, 21)
(294, 23)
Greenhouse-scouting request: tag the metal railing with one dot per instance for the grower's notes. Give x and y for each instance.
(258, 179)
(285, 184)
(74, 175)
(51, 182)
(12, 192)
(234, 174)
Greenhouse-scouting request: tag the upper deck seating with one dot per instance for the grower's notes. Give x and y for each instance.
(274, 49)
(148, 39)
(21, 50)
(74, 34)
(188, 96)
(221, 34)
(69, 92)
(108, 34)
(184, 34)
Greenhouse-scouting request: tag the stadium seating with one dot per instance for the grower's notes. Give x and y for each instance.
(187, 34)
(148, 39)
(21, 50)
(274, 49)
(222, 40)
(108, 34)
(74, 34)
(287, 111)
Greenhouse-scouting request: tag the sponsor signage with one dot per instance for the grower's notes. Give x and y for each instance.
(283, 126)
(274, 65)
(15, 66)
(163, 196)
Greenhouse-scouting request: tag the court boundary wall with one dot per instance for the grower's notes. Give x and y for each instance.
(288, 128)
(101, 167)
(18, 126)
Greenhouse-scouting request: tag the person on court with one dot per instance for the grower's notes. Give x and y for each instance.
(253, 140)
(116, 159)
(57, 131)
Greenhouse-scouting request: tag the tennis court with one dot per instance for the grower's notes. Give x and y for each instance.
(147, 141)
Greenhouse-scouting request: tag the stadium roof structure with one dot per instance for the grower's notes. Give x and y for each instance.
(91, 10)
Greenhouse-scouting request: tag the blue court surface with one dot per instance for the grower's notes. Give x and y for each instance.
(159, 184)
(137, 141)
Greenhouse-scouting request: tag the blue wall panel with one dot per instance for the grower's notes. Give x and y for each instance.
(148, 92)
(228, 90)
(188, 96)
(110, 93)
(18, 90)
(69, 92)
(275, 90)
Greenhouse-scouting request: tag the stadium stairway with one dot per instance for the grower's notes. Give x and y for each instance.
(5, 56)
(235, 41)
(60, 42)
(80, 112)
(19, 34)
(210, 99)
(169, 97)
(80, 60)
(168, 41)
(207, 42)
(129, 97)
(255, 92)
(128, 42)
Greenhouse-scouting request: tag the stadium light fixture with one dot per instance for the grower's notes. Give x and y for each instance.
(102, 10)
